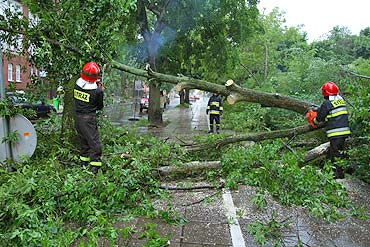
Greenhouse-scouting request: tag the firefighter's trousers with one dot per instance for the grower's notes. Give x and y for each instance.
(214, 119)
(335, 152)
(88, 135)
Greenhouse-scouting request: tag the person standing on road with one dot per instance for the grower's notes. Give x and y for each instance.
(88, 98)
(334, 113)
(215, 109)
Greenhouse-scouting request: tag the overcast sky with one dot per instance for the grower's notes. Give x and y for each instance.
(320, 16)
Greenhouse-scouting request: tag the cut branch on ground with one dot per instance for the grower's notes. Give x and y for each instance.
(189, 167)
(252, 137)
(317, 152)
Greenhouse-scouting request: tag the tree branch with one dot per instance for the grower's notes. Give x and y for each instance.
(159, 25)
(253, 137)
(40, 37)
(354, 74)
(250, 72)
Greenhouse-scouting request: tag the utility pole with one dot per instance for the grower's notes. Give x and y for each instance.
(5, 147)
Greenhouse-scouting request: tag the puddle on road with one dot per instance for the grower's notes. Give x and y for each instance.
(182, 122)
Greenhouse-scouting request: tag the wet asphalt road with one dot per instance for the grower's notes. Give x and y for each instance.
(180, 123)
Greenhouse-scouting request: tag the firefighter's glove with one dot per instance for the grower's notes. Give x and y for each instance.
(207, 112)
(310, 117)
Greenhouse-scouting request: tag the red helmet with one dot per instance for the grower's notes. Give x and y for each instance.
(90, 72)
(329, 88)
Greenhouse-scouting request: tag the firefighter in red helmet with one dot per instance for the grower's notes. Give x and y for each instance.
(333, 112)
(88, 98)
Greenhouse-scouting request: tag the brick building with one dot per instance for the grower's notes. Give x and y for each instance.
(15, 68)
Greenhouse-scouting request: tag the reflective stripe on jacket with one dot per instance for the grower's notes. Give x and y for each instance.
(215, 105)
(334, 112)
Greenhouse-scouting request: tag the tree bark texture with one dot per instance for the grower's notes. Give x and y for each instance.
(68, 118)
(189, 167)
(317, 151)
(187, 96)
(154, 111)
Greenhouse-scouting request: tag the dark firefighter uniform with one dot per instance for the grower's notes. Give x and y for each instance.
(214, 108)
(88, 98)
(334, 112)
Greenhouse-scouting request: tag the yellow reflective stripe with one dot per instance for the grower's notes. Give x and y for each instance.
(215, 104)
(84, 158)
(339, 102)
(221, 108)
(336, 114)
(339, 133)
(208, 107)
(81, 95)
(214, 112)
(95, 163)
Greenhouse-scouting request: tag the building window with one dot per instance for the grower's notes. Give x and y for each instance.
(10, 72)
(18, 73)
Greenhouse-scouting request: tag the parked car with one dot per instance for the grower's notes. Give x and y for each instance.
(41, 109)
(144, 103)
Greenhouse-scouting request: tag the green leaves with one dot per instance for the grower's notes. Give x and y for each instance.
(271, 230)
(53, 201)
(279, 174)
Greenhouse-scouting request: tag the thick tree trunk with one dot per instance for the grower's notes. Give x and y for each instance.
(182, 97)
(124, 85)
(154, 111)
(187, 96)
(68, 119)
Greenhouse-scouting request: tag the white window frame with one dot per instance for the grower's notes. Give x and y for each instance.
(18, 73)
(10, 72)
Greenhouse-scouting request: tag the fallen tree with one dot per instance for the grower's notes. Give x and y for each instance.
(253, 137)
(233, 92)
(189, 167)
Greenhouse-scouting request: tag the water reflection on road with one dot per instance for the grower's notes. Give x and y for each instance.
(183, 123)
